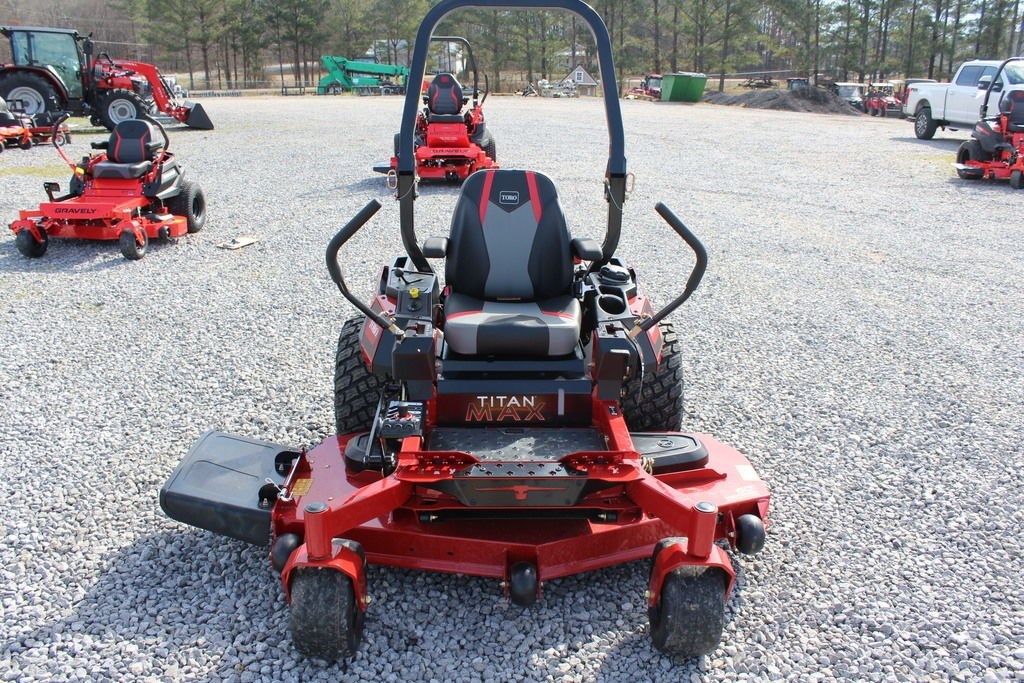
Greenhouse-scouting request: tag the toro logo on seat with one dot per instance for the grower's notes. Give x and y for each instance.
(508, 197)
(505, 408)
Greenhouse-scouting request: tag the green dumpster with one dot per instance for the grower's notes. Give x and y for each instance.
(682, 87)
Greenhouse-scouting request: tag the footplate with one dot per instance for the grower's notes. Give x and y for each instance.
(221, 486)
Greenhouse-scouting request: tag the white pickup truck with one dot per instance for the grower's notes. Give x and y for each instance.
(957, 105)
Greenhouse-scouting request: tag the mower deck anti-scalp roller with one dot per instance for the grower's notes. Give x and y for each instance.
(522, 422)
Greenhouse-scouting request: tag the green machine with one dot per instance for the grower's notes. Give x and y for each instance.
(347, 75)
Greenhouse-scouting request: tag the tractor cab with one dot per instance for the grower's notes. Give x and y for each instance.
(58, 51)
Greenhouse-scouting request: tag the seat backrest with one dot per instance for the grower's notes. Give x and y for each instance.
(1012, 105)
(444, 96)
(508, 238)
(132, 141)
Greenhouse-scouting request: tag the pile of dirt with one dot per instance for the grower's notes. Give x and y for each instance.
(802, 99)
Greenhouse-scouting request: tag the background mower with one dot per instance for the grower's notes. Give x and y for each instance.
(996, 148)
(520, 422)
(452, 140)
(19, 128)
(133, 191)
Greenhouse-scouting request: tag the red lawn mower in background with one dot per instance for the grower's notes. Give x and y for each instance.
(452, 139)
(24, 130)
(14, 129)
(133, 191)
(520, 422)
(996, 148)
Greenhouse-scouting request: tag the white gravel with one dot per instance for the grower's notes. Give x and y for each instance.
(859, 336)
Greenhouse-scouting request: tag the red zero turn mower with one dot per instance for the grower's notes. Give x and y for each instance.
(14, 129)
(996, 147)
(520, 422)
(450, 143)
(132, 192)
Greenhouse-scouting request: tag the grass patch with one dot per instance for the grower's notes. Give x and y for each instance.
(48, 171)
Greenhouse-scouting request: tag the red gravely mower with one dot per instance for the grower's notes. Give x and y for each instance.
(996, 148)
(133, 191)
(520, 422)
(452, 140)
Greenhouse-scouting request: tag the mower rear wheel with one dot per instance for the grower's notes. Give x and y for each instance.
(130, 247)
(690, 615)
(190, 202)
(489, 148)
(26, 143)
(120, 105)
(1016, 179)
(655, 404)
(325, 621)
(28, 245)
(356, 389)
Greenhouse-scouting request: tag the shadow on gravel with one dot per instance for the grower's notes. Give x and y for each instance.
(76, 255)
(1000, 187)
(940, 143)
(176, 602)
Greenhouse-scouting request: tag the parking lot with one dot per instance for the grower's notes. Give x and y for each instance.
(858, 335)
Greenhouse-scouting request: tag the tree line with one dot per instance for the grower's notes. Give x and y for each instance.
(245, 43)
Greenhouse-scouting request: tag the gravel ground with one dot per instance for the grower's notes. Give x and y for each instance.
(858, 335)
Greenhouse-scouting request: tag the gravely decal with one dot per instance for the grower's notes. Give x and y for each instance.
(502, 408)
(60, 209)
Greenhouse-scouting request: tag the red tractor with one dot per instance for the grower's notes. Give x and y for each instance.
(54, 70)
(881, 100)
(649, 88)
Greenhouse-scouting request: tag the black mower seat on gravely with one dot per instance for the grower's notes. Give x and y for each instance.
(510, 269)
(131, 149)
(444, 99)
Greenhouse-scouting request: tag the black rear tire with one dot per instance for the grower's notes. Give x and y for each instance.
(37, 94)
(190, 203)
(690, 616)
(489, 148)
(656, 404)
(324, 619)
(1016, 179)
(356, 390)
(130, 248)
(924, 125)
(121, 105)
(27, 244)
(971, 151)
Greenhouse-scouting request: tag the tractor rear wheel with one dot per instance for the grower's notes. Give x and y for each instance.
(190, 202)
(35, 94)
(27, 244)
(654, 403)
(356, 390)
(690, 615)
(130, 247)
(324, 619)
(120, 105)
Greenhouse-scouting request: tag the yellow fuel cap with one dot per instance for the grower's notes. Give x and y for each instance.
(414, 292)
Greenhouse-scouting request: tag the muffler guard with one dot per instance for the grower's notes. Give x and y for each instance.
(222, 486)
(197, 117)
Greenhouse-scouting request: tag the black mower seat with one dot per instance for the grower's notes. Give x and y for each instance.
(444, 98)
(510, 269)
(131, 149)
(1012, 105)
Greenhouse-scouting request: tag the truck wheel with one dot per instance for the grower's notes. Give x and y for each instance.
(120, 105)
(656, 403)
(34, 92)
(924, 125)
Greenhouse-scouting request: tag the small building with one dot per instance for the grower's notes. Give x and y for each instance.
(581, 81)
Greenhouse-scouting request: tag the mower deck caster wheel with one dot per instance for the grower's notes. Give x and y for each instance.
(690, 614)
(130, 247)
(284, 546)
(749, 534)
(325, 621)
(1016, 180)
(28, 245)
(26, 144)
(522, 584)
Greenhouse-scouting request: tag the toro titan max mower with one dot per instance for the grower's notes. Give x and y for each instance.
(996, 148)
(133, 191)
(451, 136)
(520, 422)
